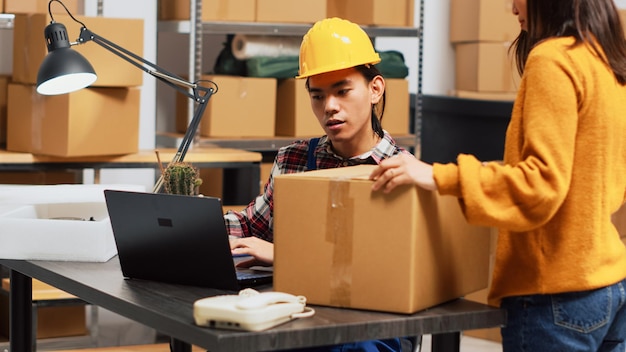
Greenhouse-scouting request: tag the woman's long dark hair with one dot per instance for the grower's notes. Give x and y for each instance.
(595, 22)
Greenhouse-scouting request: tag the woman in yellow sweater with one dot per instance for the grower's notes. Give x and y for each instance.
(560, 264)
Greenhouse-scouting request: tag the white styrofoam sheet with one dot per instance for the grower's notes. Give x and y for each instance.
(60, 222)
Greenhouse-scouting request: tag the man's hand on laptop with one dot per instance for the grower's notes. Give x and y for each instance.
(262, 251)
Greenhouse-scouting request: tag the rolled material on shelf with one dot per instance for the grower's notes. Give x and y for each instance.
(248, 46)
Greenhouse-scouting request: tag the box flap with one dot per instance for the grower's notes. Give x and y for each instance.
(350, 172)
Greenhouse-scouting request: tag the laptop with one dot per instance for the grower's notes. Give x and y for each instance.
(176, 239)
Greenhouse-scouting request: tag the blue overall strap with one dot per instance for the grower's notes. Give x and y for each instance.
(310, 161)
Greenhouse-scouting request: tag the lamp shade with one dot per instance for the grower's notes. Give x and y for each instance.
(63, 70)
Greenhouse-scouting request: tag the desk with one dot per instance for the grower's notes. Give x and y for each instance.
(241, 168)
(168, 309)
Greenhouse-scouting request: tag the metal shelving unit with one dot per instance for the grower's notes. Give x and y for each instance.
(254, 144)
(196, 29)
(274, 28)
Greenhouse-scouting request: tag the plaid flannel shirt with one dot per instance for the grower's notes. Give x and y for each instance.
(257, 218)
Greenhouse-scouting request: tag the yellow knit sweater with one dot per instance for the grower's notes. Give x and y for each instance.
(564, 174)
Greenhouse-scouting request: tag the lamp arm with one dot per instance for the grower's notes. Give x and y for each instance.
(188, 137)
(166, 77)
(200, 94)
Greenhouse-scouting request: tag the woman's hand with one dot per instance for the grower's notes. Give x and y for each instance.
(403, 169)
(262, 251)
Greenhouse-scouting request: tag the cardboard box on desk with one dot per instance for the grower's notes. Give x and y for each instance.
(242, 107)
(340, 244)
(29, 47)
(290, 11)
(88, 122)
(212, 10)
(391, 13)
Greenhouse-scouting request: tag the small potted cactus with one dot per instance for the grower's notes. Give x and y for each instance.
(181, 178)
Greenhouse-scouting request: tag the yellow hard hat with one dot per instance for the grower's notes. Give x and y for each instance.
(334, 44)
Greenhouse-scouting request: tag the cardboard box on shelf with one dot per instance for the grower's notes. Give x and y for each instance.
(266, 171)
(37, 6)
(391, 13)
(60, 321)
(496, 96)
(622, 17)
(212, 10)
(396, 116)
(399, 252)
(154, 347)
(294, 116)
(482, 20)
(88, 122)
(212, 182)
(6, 54)
(289, 11)
(242, 107)
(485, 67)
(29, 47)
(4, 95)
(51, 177)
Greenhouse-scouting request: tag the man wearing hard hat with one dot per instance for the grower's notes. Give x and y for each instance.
(347, 95)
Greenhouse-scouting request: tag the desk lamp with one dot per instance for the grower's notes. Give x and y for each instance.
(64, 70)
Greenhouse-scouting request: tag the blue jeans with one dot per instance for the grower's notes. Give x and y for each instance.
(576, 321)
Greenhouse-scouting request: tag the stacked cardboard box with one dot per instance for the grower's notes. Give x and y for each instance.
(4, 95)
(31, 6)
(99, 120)
(212, 10)
(482, 32)
(392, 13)
(388, 13)
(245, 107)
